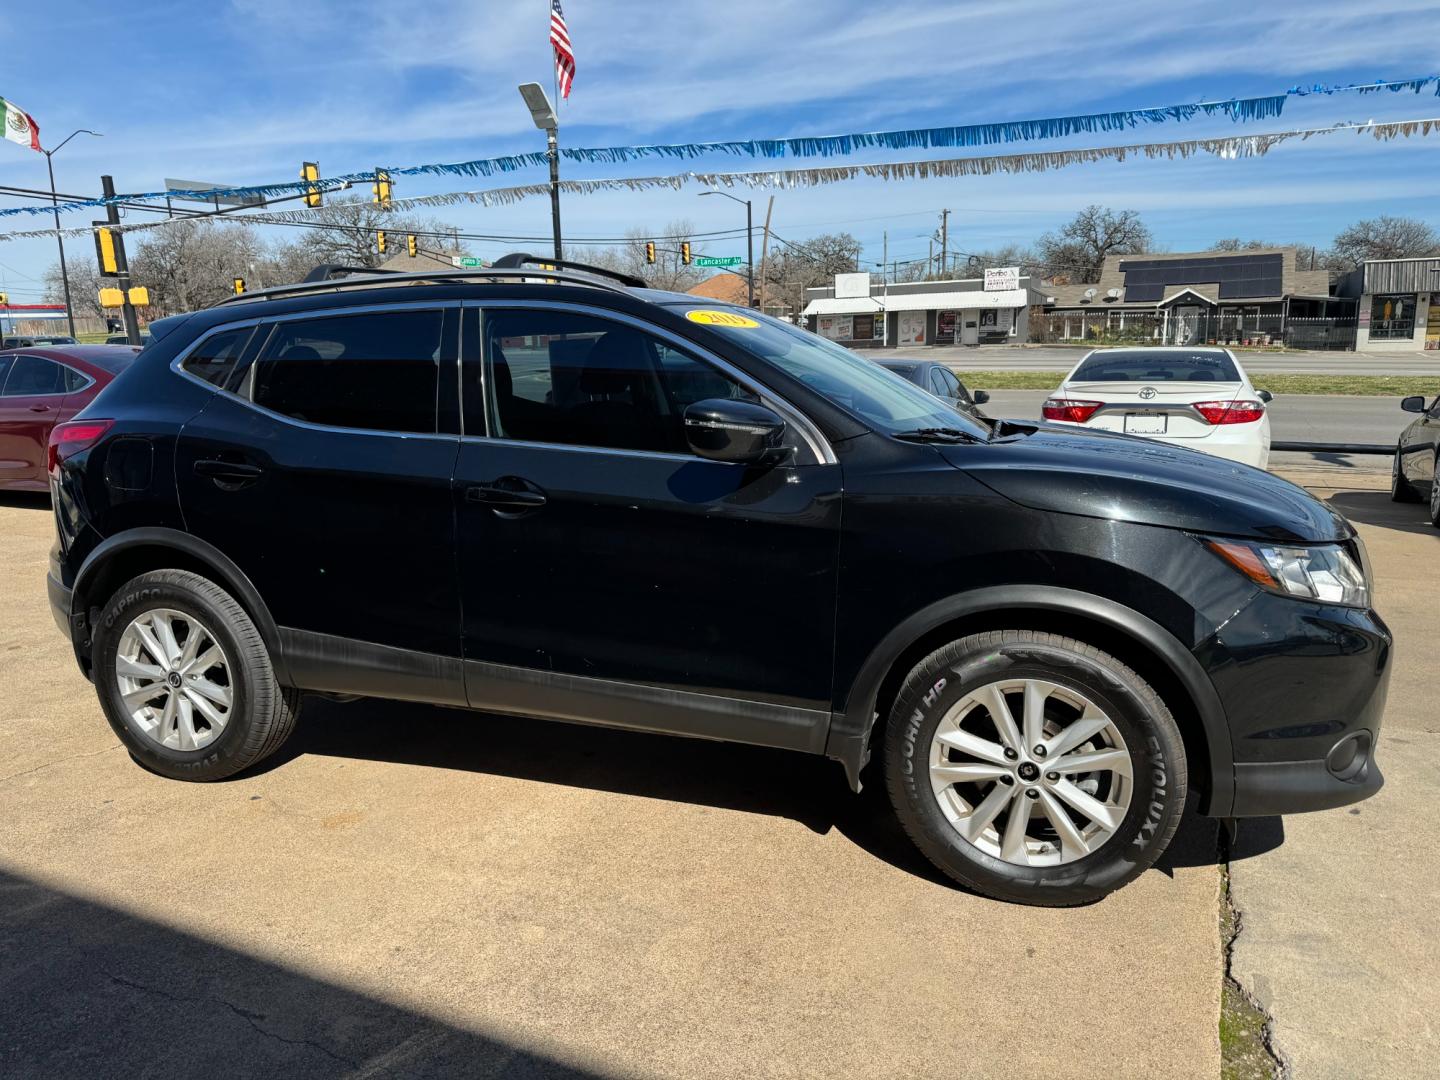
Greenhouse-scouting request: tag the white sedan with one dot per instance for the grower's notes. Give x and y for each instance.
(1195, 397)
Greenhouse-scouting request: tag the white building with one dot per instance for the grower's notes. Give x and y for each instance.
(861, 312)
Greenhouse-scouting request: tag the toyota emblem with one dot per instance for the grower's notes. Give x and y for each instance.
(1148, 393)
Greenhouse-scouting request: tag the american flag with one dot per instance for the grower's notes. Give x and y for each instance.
(564, 56)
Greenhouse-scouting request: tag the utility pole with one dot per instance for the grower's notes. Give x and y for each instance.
(885, 289)
(930, 262)
(944, 241)
(112, 214)
(765, 249)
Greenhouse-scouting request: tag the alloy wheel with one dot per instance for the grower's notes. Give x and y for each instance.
(1047, 789)
(174, 679)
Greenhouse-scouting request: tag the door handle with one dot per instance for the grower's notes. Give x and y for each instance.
(40, 408)
(230, 472)
(505, 498)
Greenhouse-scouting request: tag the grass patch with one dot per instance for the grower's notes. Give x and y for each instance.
(91, 339)
(1396, 386)
(1245, 1052)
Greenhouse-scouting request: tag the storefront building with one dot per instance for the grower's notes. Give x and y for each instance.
(1399, 304)
(861, 313)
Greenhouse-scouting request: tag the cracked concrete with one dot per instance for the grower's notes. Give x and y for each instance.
(1339, 942)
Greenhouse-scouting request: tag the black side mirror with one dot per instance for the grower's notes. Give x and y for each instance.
(1265, 396)
(739, 432)
(980, 397)
(1414, 403)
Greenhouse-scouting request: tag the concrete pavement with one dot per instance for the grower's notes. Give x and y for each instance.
(414, 891)
(1063, 358)
(1337, 937)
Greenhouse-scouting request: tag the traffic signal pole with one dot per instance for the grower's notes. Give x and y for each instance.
(553, 146)
(112, 214)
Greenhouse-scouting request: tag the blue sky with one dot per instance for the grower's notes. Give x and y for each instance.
(241, 91)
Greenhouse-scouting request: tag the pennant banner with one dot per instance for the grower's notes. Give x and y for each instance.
(1236, 109)
(1230, 148)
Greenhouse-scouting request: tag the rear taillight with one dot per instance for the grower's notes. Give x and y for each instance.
(1230, 412)
(1076, 412)
(71, 437)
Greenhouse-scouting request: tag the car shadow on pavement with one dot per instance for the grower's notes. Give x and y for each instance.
(1377, 508)
(26, 500)
(806, 789)
(90, 990)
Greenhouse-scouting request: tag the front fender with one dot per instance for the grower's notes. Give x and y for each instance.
(850, 728)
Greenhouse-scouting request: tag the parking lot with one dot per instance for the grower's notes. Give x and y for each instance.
(416, 891)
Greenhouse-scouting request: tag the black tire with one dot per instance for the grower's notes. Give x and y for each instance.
(1401, 490)
(1157, 755)
(262, 713)
(1434, 507)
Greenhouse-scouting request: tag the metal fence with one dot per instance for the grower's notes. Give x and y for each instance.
(1176, 328)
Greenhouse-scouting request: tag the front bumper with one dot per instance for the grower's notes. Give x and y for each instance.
(1303, 687)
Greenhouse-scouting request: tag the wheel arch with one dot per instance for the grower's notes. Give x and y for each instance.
(1155, 654)
(125, 555)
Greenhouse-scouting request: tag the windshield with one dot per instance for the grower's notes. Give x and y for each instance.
(881, 398)
(1157, 365)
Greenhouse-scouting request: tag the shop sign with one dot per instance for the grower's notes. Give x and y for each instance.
(945, 326)
(1002, 278)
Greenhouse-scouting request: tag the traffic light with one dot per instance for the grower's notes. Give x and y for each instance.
(239, 285)
(310, 173)
(380, 241)
(685, 252)
(4, 299)
(412, 245)
(381, 187)
(105, 253)
(649, 251)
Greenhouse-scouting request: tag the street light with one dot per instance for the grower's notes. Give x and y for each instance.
(55, 207)
(543, 113)
(749, 242)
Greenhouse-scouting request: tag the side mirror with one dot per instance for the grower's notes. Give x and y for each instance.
(1265, 396)
(739, 432)
(980, 397)
(1415, 403)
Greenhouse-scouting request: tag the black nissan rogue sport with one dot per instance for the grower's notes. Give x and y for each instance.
(554, 493)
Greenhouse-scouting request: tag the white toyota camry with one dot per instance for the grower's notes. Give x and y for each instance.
(1195, 397)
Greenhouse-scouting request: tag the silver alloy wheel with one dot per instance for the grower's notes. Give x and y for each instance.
(1062, 777)
(174, 679)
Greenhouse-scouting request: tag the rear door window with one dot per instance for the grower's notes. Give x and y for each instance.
(377, 371)
(34, 376)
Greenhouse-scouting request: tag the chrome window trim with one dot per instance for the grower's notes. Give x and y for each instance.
(819, 446)
(177, 364)
(89, 380)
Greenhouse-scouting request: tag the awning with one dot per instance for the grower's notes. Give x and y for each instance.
(854, 305)
(969, 300)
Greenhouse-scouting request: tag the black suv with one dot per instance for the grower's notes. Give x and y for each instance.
(553, 493)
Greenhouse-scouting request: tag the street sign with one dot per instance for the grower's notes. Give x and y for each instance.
(468, 262)
(217, 200)
(715, 260)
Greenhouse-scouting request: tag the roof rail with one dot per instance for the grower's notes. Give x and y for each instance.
(381, 278)
(330, 271)
(520, 258)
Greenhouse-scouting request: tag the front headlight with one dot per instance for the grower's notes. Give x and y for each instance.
(1324, 572)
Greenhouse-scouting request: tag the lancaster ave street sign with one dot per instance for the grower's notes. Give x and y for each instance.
(466, 262)
(715, 260)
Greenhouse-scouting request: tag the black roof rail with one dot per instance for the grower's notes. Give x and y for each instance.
(371, 278)
(331, 271)
(520, 258)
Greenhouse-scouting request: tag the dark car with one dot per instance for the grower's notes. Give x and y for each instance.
(124, 339)
(935, 378)
(39, 388)
(1413, 475)
(555, 493)
(30, 341)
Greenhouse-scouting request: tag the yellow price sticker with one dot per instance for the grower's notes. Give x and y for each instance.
(721, 318)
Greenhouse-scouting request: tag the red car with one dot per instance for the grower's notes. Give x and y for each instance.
(39, 388)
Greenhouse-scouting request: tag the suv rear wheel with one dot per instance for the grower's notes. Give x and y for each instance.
(185, 679)
(1033, 767)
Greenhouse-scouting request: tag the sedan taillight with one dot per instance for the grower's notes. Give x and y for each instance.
(71, 437)
(1076, 412)
(1230, 412)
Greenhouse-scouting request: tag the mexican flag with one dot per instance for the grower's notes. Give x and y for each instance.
(19, 128)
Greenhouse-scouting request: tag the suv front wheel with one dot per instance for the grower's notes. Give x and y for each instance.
(185, 679)
(1034, 768)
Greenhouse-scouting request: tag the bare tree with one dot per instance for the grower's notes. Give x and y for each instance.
(345, 233)
(85, 285)
(790, 269)
(1384, 237)
(1078, 250)
(667, 272)
(192, 264)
